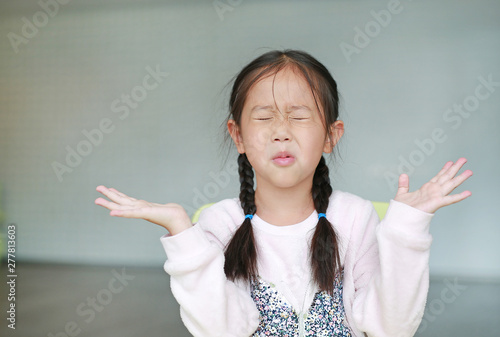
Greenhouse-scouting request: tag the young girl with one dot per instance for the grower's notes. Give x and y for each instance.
(292, 257)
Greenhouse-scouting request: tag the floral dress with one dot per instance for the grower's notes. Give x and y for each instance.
(325, 317)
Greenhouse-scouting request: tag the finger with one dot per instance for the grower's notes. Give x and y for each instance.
(100, 188)
(452, 171)
(136, 213)
(452, 199)
(107, 204)
(105, 190)
(443, 170)
(457, 181)
(118, 192)
(121, 198)
(403, 184)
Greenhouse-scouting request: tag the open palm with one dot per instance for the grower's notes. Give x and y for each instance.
(435, 193)
(171, 216)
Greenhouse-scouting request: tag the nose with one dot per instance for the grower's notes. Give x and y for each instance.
(281, 132)
(281, 138)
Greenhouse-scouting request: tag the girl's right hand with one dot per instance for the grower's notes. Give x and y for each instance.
(173, 217)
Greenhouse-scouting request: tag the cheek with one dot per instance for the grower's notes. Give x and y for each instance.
(315, 141)
(257, 139)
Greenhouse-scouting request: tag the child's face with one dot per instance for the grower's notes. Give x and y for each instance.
(297, 129)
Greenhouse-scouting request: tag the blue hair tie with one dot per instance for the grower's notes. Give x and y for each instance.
(321, 215)
(249, 216)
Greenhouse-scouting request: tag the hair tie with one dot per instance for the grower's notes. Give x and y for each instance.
(249, 216)
(321, 215)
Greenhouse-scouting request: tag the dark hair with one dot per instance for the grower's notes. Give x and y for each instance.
(241, 251)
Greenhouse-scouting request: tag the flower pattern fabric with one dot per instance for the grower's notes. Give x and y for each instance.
(325, 317)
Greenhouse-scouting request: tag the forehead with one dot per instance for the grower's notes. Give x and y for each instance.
(285, 87)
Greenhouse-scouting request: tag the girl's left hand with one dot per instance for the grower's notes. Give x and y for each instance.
(434, 194)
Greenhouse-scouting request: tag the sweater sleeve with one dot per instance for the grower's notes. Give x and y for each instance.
(391, 271)
(210, 305)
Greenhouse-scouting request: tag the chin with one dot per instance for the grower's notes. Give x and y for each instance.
(285, 183)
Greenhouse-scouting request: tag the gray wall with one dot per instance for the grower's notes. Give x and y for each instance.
(397, 91)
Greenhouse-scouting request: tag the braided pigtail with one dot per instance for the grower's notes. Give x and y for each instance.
(325, 258)
(241, 254)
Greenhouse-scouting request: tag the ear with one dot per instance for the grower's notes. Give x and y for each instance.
(235, 133)
(336, 132)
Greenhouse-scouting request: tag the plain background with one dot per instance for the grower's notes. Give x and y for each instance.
(396, 91)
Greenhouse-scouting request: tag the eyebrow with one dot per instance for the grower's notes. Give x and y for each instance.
(270, 107)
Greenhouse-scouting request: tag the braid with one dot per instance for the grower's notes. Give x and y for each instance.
(247, 193)
(240, 254)
(321, 189)
(325, 259)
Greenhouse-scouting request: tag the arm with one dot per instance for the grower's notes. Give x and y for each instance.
(391, 273)
(210, 304)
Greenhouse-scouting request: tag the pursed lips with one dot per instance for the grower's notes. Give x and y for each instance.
(283, 158)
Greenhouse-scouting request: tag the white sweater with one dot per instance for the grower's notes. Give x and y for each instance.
(386, 267)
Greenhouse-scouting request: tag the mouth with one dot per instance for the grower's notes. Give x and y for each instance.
(283, 158)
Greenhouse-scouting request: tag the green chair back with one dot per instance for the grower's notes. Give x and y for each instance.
(380, 208)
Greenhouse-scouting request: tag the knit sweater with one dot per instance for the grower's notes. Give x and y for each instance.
(385, 267)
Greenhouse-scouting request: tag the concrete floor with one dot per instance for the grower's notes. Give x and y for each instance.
(60, 301)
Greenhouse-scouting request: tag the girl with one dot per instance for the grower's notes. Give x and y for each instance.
(292, 257)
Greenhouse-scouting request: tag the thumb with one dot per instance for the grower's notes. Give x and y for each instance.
(403, 184)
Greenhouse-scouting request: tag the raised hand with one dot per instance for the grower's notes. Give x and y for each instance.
(434, 194)
(173, 217)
